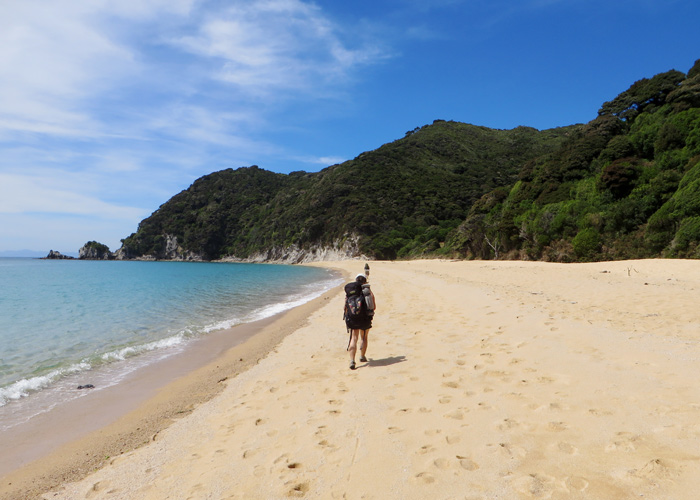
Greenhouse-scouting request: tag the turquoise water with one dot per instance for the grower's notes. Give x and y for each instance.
(62, 318)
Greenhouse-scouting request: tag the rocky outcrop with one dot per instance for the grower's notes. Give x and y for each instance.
(346, 249)
(93, 250)
(171, 251)
(57, 255)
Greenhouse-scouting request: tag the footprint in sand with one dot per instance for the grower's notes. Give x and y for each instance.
(501, 374)
(425, 478)
(556, 426)
(426, 449)
(656, 469)
(507, 424)
(441, 463)
(567, 448)
(535, 485)
(512, 451)
(467, 463)
(97, 488)
(455, 415)
(577, 483)
(599, 413)
(299, 490)
(625, 441)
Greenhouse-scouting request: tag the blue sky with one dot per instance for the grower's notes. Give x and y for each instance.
(107, 109)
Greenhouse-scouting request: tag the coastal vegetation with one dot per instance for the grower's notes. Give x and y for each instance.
(624, 185)
(400, 200)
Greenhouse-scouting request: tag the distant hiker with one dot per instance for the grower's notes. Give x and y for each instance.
(359, 310)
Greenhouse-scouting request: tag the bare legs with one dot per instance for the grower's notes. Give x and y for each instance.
(352, 348)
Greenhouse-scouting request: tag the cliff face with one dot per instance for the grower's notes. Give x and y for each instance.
(346, 249)
(95, 251)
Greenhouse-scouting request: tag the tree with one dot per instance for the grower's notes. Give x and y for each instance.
(643, 94)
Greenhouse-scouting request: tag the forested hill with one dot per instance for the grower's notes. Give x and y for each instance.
(400, 200)
(626, 184)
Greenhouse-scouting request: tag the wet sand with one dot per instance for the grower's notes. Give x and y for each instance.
(485, 380)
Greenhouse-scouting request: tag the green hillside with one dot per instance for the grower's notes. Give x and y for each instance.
(626, 185)
(400, 200)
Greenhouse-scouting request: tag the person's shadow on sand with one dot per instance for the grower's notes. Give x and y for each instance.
(386, 361)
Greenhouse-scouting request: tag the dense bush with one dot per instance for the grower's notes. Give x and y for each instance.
(625, 185)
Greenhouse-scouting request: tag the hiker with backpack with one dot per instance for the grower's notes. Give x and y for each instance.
(359, 311)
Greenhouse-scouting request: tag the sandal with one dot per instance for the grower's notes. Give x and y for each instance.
(352, 365)
(363, 359)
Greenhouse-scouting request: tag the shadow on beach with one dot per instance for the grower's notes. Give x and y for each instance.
(387, 361)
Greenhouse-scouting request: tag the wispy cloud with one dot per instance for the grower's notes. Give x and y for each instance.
(98, 97)
(271, 46)
(55, 194)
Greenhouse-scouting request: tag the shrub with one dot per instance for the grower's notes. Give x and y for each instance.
(688, 232)
(619, 177)
(586, 243)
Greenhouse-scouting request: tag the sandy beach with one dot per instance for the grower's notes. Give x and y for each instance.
(485, 380)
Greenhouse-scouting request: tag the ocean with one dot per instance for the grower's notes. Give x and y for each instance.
(68, 322)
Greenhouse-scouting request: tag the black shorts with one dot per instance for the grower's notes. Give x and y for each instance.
(359, 323)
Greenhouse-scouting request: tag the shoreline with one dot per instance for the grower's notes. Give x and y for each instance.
(118, 419)
(491, 379)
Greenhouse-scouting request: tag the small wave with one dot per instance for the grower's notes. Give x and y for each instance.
(306, 293)
(23, 388)
(131, 351)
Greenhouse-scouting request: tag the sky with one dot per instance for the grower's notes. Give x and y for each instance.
(108, 109)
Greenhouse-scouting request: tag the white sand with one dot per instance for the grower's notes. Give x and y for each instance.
(486, 380)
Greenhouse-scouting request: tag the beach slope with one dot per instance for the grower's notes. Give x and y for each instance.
(485, 380)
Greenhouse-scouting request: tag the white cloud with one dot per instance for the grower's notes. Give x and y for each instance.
(52, 58)
(326, 161)
(53, 195)
(276, 45)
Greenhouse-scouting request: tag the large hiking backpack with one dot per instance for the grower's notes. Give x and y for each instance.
(355, 307)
